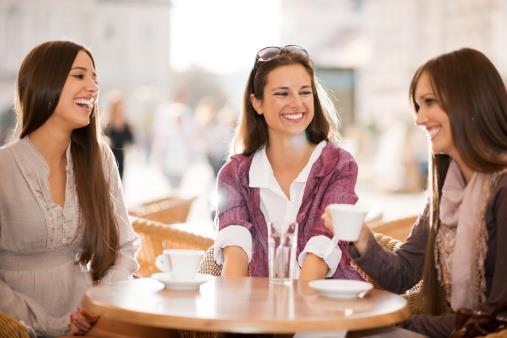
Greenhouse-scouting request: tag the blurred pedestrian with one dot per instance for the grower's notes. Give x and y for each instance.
(174, 140)
(118, 130)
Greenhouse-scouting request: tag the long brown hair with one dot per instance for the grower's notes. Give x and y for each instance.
(252, 131)
(41, 78)
(470, 90)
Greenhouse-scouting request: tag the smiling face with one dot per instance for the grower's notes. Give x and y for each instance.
(79, 95)
(433, 118)
(287, 104)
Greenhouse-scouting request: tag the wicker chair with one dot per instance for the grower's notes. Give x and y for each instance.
(158, 236)
(10, 327)
(398, 229)
(209, 265)
(165, 210)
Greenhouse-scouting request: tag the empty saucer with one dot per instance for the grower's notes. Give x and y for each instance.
(341, 288)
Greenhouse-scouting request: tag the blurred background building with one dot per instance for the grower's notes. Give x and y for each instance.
(181, 66)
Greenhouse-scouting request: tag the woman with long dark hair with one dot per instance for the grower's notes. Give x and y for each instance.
(63, 221)
(458, 242)
(286, 167)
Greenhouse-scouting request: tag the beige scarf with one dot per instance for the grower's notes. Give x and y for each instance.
(461, 243)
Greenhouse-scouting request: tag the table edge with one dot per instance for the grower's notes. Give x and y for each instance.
(238, 325)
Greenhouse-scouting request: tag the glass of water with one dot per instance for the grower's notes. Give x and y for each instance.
(282, 245)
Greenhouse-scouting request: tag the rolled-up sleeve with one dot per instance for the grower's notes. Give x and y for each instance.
(233, 235)
(232, 215)
(318, 245)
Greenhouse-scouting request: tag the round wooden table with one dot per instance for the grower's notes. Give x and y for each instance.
(243, 305)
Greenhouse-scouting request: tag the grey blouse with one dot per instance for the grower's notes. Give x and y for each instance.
(40, 283)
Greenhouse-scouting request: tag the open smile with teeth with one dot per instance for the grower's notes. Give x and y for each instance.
(84, 103)
(433, 132)
(293, 116)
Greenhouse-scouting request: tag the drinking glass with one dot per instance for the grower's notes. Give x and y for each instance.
(282, 244)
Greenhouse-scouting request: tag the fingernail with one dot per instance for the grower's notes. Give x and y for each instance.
(71, 317)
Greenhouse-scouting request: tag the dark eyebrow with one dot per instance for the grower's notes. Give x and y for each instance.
(84, 69)
(287, 88)
(279, 88)
(423, 96)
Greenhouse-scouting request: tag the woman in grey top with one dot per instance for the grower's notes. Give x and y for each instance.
(460, 100)
(63, 221)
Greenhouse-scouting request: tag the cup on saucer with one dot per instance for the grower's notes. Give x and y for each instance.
(180, 264)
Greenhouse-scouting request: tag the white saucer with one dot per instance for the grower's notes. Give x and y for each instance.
(341, 288)
(165, 278)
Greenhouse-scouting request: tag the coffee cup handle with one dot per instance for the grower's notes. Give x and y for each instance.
(162, 263)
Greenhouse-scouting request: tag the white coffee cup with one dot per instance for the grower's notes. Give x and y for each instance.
(347, 220)
(182, 264)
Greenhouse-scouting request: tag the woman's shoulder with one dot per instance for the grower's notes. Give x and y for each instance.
(333, 149)
(106, 152)
(7, 148)
(499, 192)
(238, 162)
(108, 160)
(236, 169)
(334, 157)
(8, 152)
(502, 180)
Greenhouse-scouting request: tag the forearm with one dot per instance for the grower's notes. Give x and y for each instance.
(235, 262)
(30, 312)
(313, 267)
(125, 264)
(393, 271)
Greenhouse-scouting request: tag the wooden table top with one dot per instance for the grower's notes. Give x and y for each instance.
(243, 305)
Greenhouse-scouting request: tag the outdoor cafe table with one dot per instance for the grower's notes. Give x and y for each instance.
(243, 305)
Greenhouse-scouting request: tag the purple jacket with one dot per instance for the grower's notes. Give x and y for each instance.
(332, 179)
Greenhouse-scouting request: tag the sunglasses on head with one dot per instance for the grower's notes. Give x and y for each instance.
(269, 53)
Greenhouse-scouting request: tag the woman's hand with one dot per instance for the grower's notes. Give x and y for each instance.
(81, 321)
(328, 221)
(361, 244)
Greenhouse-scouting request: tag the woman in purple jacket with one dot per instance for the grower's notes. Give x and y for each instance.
(285, 169)
(459, 240)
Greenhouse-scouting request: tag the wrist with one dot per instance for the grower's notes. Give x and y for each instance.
(362, 243)
(29, 330)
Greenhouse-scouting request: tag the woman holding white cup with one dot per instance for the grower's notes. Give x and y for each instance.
(459, 240)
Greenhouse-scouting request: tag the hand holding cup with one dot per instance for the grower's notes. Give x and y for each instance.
(345, 221)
